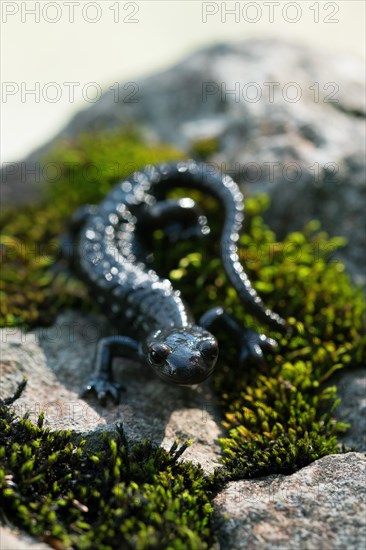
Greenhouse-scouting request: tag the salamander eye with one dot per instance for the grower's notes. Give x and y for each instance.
(209, 350)
(157, 354)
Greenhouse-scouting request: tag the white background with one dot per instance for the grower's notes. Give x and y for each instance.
(114, 49)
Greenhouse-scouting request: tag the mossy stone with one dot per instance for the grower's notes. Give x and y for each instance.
(278, 417)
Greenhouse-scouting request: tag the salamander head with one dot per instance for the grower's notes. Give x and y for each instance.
(182, 356)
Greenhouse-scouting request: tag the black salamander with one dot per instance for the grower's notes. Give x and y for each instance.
(152, 319)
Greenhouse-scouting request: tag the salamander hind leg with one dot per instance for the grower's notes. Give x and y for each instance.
(102, 383)
(250, 344)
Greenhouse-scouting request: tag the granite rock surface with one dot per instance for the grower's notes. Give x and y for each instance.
(321, 506)
(287, 119)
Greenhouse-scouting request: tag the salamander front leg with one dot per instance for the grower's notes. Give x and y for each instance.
(250, 343)
(102, 383)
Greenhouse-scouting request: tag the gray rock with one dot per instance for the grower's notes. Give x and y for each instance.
(12, 539)
(352, 409)
(317, 507)
(320, 507)
(293, 126)
(58, 360)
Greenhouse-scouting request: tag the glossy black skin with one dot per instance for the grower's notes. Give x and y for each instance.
(114, 259)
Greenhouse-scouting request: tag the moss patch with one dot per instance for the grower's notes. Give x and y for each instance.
(31, 292)
(278, 417)
(203, 148)
(121, 497)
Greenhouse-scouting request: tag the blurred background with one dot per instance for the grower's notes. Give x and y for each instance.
(104, 42)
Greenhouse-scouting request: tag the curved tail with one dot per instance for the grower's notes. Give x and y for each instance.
(204, 177)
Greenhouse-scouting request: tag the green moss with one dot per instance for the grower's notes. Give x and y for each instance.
(120, 497)
(278, 417)
(31, 291)
(203, 148)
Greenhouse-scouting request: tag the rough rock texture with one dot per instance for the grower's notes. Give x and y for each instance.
(58, 360)
(352, 410)
(317, 507)
(288, 120)
(320, 507)
(11, 539)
